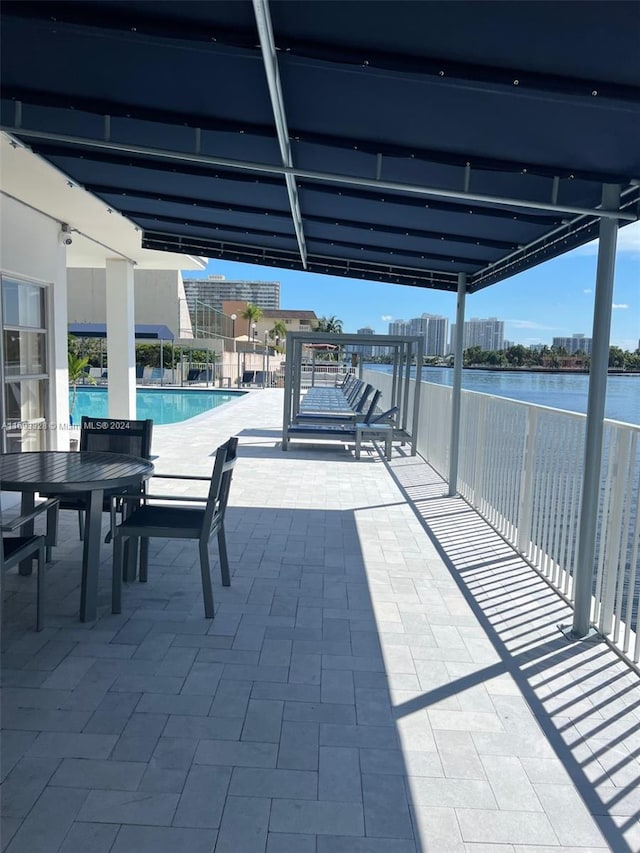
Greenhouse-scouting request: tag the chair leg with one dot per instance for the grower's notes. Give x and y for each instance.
(81, 524)
(52, 532)
(40, 588)
(207, 589)
(144, 559)
(116, 575)
(224, 560)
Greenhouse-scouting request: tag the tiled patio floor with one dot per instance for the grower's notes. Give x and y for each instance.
(384, 675)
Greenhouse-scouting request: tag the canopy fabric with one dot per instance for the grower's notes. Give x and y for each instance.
(385, 140)
(143, 331)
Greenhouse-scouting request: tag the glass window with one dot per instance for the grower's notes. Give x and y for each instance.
(24, 352)
(25, 421)
(22, 304)
(24, 381)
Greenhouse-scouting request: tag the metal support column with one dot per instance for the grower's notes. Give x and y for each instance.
(416, 397)
(454, 442)
(397, 366)
(404, 407)
(288, 391)
(583, 577)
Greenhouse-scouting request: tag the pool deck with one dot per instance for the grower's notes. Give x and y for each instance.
(384, 675)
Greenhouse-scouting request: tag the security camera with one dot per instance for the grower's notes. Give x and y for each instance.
(65, 237)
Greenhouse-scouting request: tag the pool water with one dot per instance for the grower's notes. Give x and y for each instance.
(166, 406)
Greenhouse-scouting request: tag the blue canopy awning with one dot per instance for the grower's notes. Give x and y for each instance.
(393, 141)
(142, 331)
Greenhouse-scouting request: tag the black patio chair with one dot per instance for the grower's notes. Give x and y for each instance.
(15, 549)
(159, 520)
(108, 435)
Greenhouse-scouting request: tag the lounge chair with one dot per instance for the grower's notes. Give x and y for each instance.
(350, 432)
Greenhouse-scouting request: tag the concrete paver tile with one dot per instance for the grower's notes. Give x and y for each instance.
(245, 824)
(154, 839)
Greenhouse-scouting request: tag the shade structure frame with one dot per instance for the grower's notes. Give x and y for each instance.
(378, 150)
(407, 352)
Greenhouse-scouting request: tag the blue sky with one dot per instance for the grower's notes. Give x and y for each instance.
(553, 299)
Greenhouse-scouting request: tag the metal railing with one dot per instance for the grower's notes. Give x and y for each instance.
(520, 467)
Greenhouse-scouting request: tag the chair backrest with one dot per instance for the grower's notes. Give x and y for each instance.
(220, 484)
(354, 389)
(384, 416)
(109, 435)
(359, 406)
(372, 407)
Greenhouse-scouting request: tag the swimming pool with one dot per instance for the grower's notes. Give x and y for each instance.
(163, 406)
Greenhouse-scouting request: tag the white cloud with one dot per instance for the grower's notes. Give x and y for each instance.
(619, 305)
(588, 290)
(386, 318)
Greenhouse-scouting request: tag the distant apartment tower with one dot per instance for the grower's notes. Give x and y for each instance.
(399, 328)
(576, 343)
(364, 350)
(486, 333)
(435, 331)
(436, 335)
(216, 289)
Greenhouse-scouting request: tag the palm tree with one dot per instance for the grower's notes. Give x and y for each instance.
(332, 325)
(77, 371)
(279, 331)
(251, 314)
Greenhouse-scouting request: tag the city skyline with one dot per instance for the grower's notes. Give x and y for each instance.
(554, 299)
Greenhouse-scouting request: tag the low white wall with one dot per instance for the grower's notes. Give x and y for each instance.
(158, 298)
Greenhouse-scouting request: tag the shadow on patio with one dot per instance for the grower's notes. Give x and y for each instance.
(584, 699)
(381, 677)
(158, 727)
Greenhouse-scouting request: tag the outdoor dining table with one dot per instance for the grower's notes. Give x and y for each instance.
(73, 472)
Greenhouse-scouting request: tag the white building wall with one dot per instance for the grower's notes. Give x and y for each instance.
(158, 297)
(30, 249)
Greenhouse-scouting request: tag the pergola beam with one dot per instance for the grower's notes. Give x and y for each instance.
(323, 177)
(270, 59)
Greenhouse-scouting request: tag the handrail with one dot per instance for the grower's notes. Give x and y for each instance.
(520, 467)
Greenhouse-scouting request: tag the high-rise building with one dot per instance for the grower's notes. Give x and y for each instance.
(216, 289)
(364, 350)
(399, 327)
(576, 343)
(487, 333)
(437, 334)
(432, 327)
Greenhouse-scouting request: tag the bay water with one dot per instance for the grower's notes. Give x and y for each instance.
(566, 391)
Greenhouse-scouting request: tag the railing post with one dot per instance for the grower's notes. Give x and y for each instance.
(416, 397)
(454, 444)
(481, 432)
(595, 413)
(612, 530)
(525, 505)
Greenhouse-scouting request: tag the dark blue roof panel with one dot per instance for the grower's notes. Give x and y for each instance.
(424, 138)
